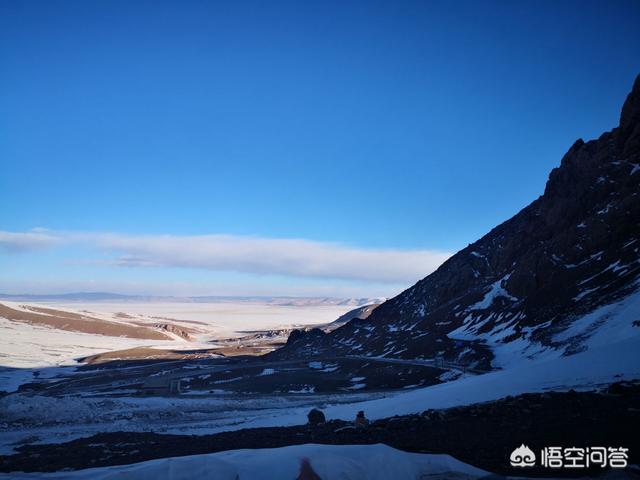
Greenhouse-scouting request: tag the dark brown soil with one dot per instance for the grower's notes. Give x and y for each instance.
(146, 353)
(75, 322)
(483, 435)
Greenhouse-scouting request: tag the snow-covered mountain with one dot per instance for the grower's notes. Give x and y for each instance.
(559, 276)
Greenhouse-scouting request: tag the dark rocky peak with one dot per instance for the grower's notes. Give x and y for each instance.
(630, 121)
(630, 114)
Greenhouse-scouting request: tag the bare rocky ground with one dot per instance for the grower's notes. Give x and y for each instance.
(199, 374)
(483, 435)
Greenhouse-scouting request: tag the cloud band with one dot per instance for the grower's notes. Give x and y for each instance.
(290, 257)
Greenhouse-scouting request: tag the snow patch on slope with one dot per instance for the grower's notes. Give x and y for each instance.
(605, 325)
(496, 290)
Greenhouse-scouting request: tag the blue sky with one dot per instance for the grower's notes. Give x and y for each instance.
(329, 148)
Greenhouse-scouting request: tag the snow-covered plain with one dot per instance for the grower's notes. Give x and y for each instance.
(26, 349)
(221, 319)
(345, 462)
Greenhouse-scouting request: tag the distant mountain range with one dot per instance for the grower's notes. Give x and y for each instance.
(561, 275)
(110, 297)
(78, 296)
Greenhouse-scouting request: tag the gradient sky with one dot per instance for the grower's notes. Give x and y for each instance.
(304, 148)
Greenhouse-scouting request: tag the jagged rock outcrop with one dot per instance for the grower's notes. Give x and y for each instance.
(175, 329)
(520, 286)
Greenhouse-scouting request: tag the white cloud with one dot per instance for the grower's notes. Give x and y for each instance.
(268, 256)
(27, 241)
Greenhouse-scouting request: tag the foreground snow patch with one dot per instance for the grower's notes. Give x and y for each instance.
(344, 462)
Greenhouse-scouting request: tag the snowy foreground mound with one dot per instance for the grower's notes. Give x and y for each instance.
(344, 462)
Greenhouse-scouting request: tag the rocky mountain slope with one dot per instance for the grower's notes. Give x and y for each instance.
(562, 272)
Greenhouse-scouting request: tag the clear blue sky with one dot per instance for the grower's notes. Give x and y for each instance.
(378, 126)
